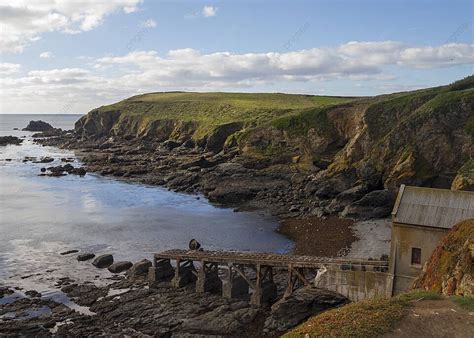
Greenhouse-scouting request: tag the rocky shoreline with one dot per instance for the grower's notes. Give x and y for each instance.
(131, 305)
(226, 178)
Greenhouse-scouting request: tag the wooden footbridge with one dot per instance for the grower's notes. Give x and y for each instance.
(243, 271)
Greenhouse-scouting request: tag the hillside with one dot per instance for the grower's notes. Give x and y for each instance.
(313, 154)
(450, 269)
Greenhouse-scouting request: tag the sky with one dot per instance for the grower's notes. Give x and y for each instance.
(70, 56)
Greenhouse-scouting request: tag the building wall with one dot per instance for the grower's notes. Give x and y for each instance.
(357, 285)
(404, 238)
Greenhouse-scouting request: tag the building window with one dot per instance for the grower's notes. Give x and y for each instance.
(415, 256)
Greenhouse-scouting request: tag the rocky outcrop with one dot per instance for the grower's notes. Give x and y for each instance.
(38, 126)
(305, 302)
(450, 269)
(6, 140)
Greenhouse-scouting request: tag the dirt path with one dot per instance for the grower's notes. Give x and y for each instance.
(435, 318)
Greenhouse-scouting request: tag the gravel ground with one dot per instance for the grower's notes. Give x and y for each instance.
(373, 239)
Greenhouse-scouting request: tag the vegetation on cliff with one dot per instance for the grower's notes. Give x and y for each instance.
(450, 268)
(368, 318)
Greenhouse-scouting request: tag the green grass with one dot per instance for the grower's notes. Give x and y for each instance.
(210, 110)
(465, 302)
(418, 295)
(368, 318)
(469, 127)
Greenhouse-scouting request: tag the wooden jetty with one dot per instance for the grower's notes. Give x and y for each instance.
(245, 270)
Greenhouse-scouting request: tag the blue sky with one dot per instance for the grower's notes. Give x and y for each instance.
(75, 55)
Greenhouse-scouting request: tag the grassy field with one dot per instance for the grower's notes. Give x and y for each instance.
(213, 109)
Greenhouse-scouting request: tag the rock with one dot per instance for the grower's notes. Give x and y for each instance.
(5, 291)
(189, 143)
(5, 140)
(194, 245)
(49, 133)
(103, 261)
(294, 208)
(139, 268)
(38, 126)
(68, 252)
(376, 204)
(228, 194)
(171, 144)
(45, 159)
(120, 266)
(33, 293)
(224, 320)
(85, 257)
(78, 171)
(303, 303)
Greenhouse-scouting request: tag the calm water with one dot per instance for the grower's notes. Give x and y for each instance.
(42, 216)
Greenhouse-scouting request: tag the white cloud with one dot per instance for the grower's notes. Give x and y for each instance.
(441, 56)
(111, 78)
(150, 23)
(23, 21)
(46, 55)
(209, 11)
(9, 68)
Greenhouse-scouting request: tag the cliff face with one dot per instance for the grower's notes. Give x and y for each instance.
(349, 154)
(450, 269)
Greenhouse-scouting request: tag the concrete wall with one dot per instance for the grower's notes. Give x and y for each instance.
(357, 285)
(404, 238)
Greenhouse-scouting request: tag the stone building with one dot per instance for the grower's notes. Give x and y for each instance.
(420, 218)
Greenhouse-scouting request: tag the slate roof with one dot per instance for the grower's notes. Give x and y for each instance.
(439, 208)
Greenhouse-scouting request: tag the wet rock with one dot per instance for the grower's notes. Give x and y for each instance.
(38, 126)
(49, 133)
(86, 294)
(68, 252)
(33, 293)
(45, 159)
(120, 266)
(5, 291)
(85, 257)
(139, 268)
(78, 171)
(5, 140)
(302, 304)
(103, 261)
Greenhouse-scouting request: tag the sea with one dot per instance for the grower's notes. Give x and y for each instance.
(41, 217)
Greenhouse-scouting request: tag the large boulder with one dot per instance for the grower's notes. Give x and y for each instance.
(103, 261)
(140, 268)
(120, 266)
(303, 303)
(38, 126)
(375, 204)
